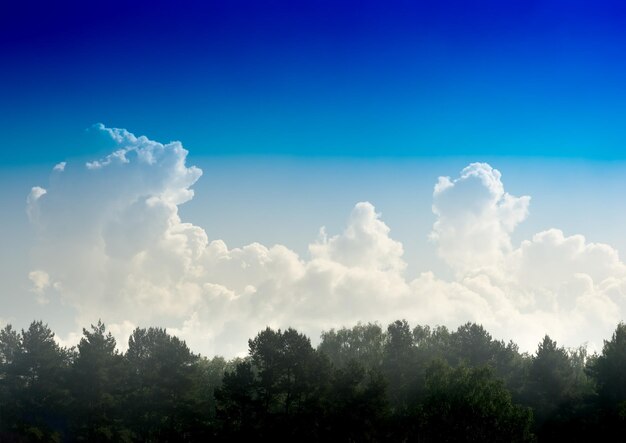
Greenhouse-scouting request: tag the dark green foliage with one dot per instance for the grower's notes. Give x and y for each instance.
(96, 388)
(608, 370)
(363, 343)
(361, 384)
(356, 405)
(558, 391)
(238, 405)
(551, 378)
(470, 404)
(278, 393)
(400, 364)
(285, 364)
(163, 380)
(288, 391)
(34, 384)
(10, 346)
(211, 372)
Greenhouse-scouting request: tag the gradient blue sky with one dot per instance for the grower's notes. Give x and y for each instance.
(297, 110)
(317, 78)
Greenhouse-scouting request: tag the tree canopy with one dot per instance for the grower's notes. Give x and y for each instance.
(365, 383)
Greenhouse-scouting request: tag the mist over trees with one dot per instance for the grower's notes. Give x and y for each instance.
(363, 383)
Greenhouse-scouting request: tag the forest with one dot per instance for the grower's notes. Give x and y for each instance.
(365, 383)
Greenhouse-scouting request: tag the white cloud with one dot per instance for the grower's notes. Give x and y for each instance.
(35, 194)
(475, 218)
(116, 248)
(365, 243)
(59, 167)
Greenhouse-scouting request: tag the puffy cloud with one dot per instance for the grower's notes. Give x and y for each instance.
(562, 285)
(116, 248)
(561, 257)
(582, 284)
(475, 218)
(365, 243)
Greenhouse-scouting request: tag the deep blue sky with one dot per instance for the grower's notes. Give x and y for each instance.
(317, 78)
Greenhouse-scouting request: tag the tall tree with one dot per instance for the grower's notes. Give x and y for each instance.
(290, 378)
(609, 372)
(97, 372)
(399, 364)
(36, 384)
(162, 400)
(609, 369)
(287, 369)
(551, 379)
(10, 343)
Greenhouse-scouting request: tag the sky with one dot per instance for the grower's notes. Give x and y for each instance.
(173, 164)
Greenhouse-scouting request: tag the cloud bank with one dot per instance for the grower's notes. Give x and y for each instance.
(111, 244)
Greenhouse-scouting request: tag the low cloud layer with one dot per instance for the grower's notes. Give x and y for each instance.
(111, 244)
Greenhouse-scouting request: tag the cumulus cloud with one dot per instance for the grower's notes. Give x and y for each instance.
(365, 243)
(475, 218)
(116, 248)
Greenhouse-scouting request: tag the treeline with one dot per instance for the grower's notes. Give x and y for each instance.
(360, 384)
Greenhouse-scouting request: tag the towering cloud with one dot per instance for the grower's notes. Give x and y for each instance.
(475, 218)
(111, 245)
